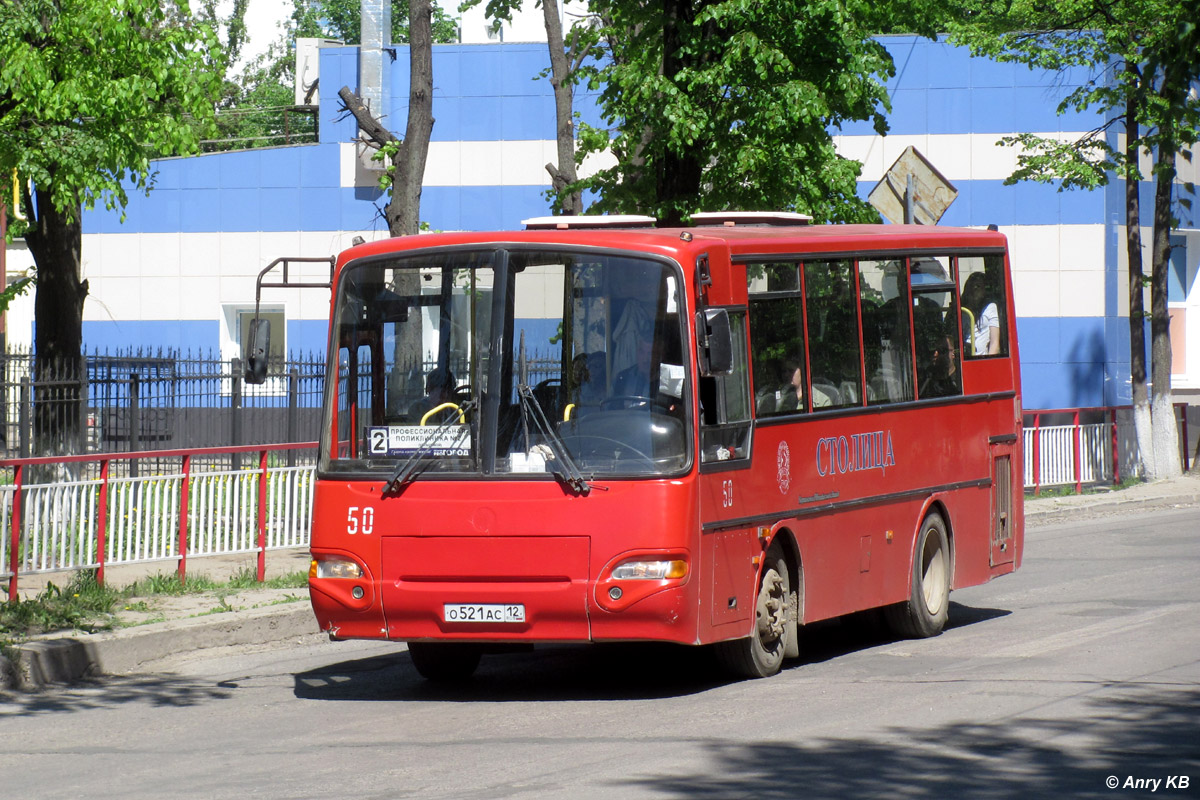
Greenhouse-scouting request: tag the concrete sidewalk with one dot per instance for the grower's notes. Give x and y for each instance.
(1182, 492)
(172, 625)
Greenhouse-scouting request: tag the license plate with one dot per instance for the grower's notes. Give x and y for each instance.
(483, 612)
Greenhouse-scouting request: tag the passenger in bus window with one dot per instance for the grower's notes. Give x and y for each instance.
(986, 335)
(439, 389)
(792, 398)
(940, 378)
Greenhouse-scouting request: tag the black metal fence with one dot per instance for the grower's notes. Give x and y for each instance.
(133, 401)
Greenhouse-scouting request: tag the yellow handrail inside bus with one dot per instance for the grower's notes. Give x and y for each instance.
(567, 412)
(461, 417)
(969, 339)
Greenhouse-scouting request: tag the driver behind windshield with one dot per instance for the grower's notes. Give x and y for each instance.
(439, 389)
(634, 380)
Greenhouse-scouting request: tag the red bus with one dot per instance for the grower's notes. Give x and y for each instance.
(593, 431)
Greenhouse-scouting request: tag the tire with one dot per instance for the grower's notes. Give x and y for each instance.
(445, 662)
(925, 612)
(761, 654)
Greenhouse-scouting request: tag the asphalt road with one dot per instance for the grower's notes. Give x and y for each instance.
(1080, 670)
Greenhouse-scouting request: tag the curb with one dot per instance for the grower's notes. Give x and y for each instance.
(67, 659)
(1110, 505)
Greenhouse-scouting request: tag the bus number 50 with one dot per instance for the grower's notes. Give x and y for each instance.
(363, 523)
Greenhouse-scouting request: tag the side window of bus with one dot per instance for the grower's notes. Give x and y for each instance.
(777, 330)
(886, 347)
(984, 323)
(935, 327)
(725, 404)
(832, 316)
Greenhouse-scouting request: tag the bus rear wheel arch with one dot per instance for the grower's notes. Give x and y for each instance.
(925, 612)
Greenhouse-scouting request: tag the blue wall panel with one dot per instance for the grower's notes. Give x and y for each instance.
(201, 211)
(307, 336)
(195, 336)
(1070, 362)
(304, 337)
(240, 170)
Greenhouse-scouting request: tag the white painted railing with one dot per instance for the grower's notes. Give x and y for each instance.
(1086, 453)
(92, 523)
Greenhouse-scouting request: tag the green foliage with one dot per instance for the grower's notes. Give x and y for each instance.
(341, 19)
(729, 105)
(89, 93)
(1135, 55)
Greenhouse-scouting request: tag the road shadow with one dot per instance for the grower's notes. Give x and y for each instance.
(626, 671)
(1133, 732)
(104, 691)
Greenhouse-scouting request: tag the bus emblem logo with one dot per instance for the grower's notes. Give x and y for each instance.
(783, 467)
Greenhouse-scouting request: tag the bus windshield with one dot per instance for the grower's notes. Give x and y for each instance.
(517, 361)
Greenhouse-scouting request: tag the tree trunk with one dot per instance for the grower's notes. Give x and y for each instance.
(55, 241)
(677, 175)
(1142, 427)
(563, 174)
(403, 212)
(1166, 436)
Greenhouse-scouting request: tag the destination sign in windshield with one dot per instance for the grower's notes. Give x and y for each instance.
(404, 440)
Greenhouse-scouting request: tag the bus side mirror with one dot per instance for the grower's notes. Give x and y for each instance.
(259, 340)
(715, 340)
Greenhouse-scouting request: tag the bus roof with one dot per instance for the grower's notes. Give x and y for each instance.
(743, 241)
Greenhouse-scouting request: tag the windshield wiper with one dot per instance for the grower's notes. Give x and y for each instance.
(561, 464)
(406, 472)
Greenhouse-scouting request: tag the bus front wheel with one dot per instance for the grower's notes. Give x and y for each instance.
(925, 612)
(444, 661)
(761, 654)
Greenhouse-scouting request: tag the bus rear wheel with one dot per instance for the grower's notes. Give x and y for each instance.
(444, 662)
(761, 654)
(925, 612)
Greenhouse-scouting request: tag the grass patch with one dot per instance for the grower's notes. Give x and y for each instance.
(83, 604)
(1067, 490)
(169, 584)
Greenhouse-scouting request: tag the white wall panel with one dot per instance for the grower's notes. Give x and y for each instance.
(159, 254)
(240, 255)
(200, 297)
(1081, 294)
(1081, 248)
(958, 156)
(1033, 248)
(117, 299)
(1036, 293)
(120, 255)
(162, 298)
(200, 254)
(482, 162)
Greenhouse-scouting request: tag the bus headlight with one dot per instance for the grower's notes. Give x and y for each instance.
(650, 570)
(334, 568)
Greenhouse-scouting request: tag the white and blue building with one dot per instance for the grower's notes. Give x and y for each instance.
(178, 271)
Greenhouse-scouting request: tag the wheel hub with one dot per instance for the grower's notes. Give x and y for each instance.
(771, 607)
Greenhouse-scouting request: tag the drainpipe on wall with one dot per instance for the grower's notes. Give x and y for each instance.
(374, 55)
